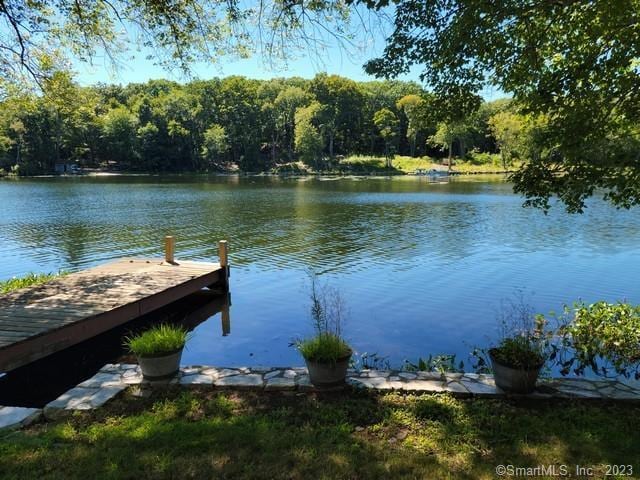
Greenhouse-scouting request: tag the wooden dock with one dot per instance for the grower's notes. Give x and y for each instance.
(41, 320)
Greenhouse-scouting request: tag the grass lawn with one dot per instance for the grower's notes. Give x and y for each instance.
(27, 280)
(409, 164)
(208, 434)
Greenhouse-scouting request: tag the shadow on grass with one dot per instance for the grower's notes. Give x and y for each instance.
(208, 434)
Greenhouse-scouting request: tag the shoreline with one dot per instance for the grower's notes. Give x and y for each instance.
(371, 174)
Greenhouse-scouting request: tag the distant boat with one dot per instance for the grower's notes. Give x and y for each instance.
(433, 173)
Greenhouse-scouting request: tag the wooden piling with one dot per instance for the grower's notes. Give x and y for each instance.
(169, 249)
(226, 320)
(223, 255)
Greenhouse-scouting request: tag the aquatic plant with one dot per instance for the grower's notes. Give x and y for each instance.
(602, 337)
(28, 280)
(441, 363)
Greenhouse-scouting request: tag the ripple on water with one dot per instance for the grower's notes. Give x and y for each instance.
(423, 267)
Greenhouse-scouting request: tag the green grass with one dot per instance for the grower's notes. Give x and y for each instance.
(325, 347)
(405, 164)
(158, 340)
(208, 434)
(28, 280)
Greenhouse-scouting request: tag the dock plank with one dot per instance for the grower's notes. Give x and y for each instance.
(37, 321)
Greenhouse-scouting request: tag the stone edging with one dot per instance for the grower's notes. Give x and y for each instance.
(114, 378)
(18, 417)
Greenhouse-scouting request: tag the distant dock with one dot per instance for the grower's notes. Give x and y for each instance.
(41, 320)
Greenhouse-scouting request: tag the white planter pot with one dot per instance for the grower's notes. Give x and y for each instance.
(160, 368)
(327, 374)
(516, 380)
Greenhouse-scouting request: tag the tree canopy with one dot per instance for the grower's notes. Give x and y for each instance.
(36, 36)
(577, 64)
(229, 123)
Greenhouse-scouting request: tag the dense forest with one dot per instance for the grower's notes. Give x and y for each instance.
(230, 123)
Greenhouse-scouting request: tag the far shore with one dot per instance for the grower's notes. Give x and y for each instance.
(353, 166)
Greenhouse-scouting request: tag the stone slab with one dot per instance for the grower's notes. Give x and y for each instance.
(250, 380)
(105, 394)
(102, 379)
(423, 386)
(16, 417)
(196, 379)
(273, 374)
(280, 383)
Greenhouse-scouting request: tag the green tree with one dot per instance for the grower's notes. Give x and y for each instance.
(149, 148)
(61, 97)
(37, 35)
(285, 105)
(240, 115)
(387, 123)
(341, 115)
(215, 144)
(413, 106)
(446, 135)
(507, 129)
(308, 139)
(119, 127)
(576, 63)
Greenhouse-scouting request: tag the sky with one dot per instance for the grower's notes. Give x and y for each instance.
(330, 56)
(336, 58)
(335, 62)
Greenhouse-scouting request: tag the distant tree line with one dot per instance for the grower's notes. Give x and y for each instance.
(254, 125)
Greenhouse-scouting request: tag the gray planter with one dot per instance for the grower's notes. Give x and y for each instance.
(323, 374)
(514, 380)
(162, 367)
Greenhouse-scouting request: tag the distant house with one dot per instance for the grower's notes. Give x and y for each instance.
(66, 168)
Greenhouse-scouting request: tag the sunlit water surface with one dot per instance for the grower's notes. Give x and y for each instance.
(423, 267)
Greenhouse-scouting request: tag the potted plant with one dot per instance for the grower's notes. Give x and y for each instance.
(516, 362)
(326, 353)
(520, 353)
(327, 357)
(159, 350)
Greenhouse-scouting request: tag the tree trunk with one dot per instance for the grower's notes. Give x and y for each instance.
(290, 142)
(450, 155)
(273, 149)
(387, 156)
(331, 134)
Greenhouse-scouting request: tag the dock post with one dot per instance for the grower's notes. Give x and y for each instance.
(169, 249)
(223, 254)
(226, 319)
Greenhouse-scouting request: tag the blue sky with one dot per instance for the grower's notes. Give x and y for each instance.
(330, 56)
(334, 59)
(141, 70)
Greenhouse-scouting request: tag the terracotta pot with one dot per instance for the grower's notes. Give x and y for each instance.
(323, 374)
(514, 379)
(160, 367)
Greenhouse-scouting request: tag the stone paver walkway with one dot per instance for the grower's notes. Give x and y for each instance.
(16, 417)
(113, 378)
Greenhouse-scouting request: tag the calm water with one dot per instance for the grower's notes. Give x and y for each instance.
(423, 267)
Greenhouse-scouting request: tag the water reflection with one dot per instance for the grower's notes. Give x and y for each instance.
(422, 266)
(44, 380)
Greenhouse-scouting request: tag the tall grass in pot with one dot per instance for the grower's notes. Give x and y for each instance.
(326, 353)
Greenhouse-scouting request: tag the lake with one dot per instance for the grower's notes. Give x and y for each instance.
(422, 267)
